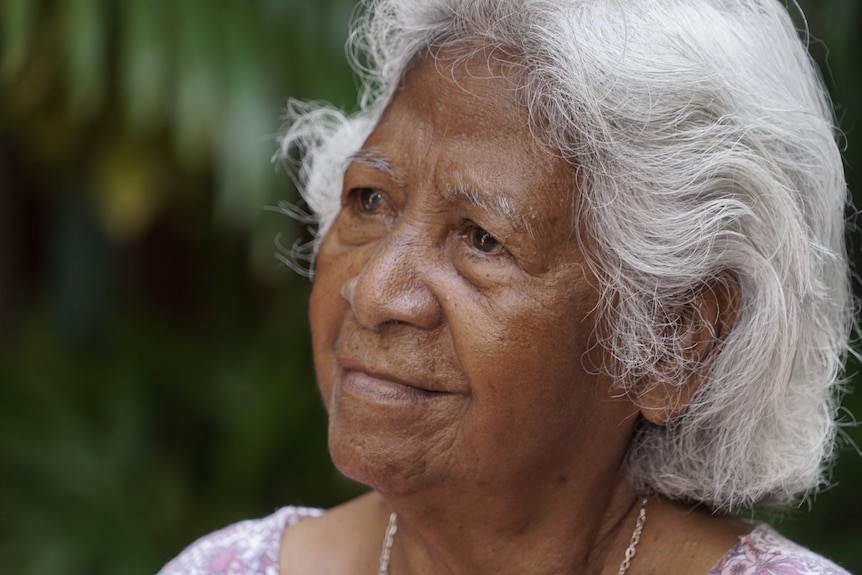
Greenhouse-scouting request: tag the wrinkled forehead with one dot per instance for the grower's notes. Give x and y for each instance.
(472, 100)
(493, 81)
(470, 64)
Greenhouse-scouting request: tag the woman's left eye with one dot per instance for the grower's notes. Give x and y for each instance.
(369, 200)
(483, 241)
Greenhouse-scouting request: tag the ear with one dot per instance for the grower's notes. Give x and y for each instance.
(699, 327)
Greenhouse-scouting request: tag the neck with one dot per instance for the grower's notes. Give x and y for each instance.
(560, 530)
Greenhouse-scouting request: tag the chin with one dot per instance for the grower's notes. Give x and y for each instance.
(375, 463)
(387, 451)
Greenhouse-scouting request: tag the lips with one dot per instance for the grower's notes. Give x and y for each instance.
(350, 366)
(387, 381)
(379, 390)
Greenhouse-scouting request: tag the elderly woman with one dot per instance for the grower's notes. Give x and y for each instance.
(580, 293)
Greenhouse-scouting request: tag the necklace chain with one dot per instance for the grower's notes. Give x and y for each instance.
(636, 538)
(385, 553)
(392, 528)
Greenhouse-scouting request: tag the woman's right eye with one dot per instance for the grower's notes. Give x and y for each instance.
(368, 200)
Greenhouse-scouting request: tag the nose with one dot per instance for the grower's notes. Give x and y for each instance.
(392, 287)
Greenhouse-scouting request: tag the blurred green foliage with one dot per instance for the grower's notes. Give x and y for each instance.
(155, 372)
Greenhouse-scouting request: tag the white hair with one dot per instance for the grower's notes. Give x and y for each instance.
(705, 149)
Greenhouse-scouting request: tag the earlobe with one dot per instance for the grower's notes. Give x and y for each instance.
(696, 332)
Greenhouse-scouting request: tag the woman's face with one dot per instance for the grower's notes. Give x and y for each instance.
(452, 313)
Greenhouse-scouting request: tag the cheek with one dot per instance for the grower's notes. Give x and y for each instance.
(327, 309)
(530, 355)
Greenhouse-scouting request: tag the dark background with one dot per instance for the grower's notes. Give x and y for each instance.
(155, 371)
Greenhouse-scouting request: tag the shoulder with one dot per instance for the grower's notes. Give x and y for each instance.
(345, 537)
(248, 547)
(764, 550)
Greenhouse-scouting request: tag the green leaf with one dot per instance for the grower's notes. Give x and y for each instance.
(86, 56)
(200, 78)
(16, 24)
(146, 42)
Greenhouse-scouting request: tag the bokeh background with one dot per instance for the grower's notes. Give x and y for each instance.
(155, 372)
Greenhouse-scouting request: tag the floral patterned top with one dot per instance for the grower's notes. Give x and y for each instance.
(252, 547)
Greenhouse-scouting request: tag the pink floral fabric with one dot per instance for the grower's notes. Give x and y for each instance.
(252, 547)
(765, 552)
(246, 548)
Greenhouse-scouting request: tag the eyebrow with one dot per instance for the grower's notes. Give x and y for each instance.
(374, 160)
(494, 203)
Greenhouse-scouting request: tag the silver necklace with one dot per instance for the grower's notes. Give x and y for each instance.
(392, 528)
(636, 538)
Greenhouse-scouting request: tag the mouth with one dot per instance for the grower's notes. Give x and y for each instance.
(383, 389)
(384, 386)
